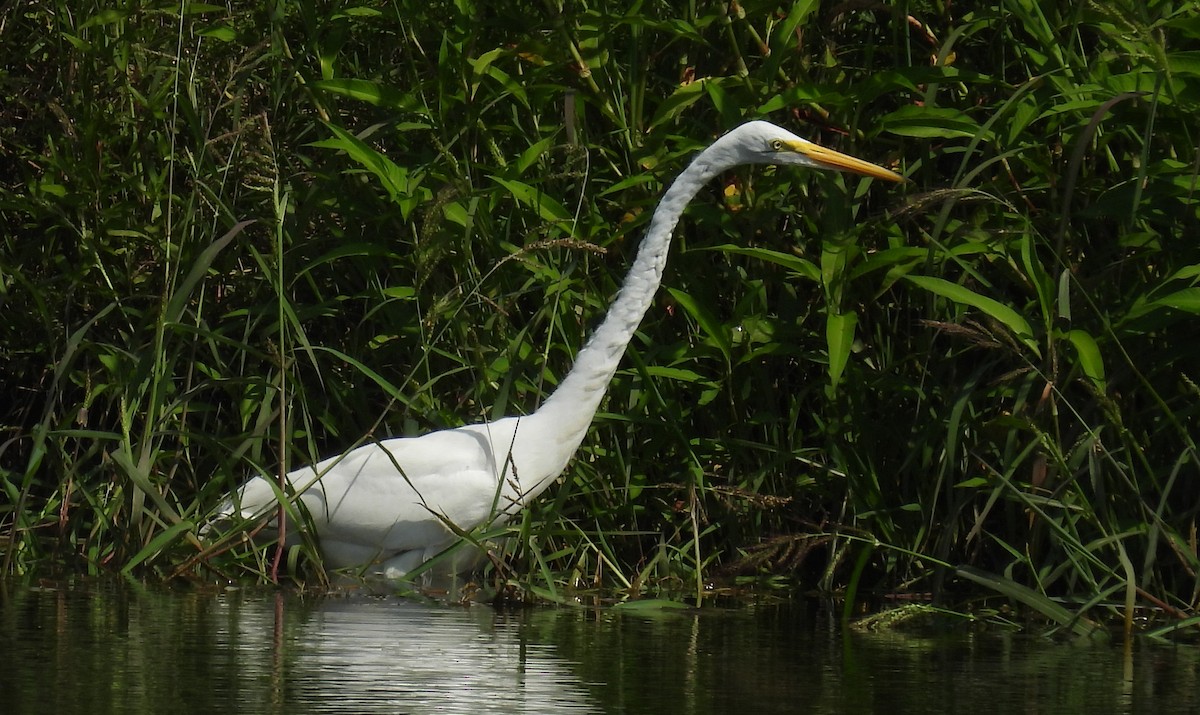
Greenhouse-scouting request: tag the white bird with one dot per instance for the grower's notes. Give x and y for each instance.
(385, 506)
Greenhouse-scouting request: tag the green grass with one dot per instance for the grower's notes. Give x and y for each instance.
(235, 240)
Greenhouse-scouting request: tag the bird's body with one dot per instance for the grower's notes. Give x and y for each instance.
(388, 504)
(366, 511)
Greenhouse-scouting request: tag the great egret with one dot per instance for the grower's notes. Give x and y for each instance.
(386, 505)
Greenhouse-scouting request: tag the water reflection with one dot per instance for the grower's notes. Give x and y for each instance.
(389, 655)
(130, 651)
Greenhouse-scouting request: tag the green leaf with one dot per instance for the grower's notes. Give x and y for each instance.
(1039, 602)
(930, 122)
(224, 33)
(105, 17)
(400, 292)
(1187, 25)
(1186, 272)
(708, 322)
(533, 153)
(549, 209)
(356, 249)
(358, 12)
(510, 85)
(784, 35)
(1187, 300)
(139, 474)
(170, 535)
(378, 379)
(199, 8)
(363, 90)
(480, 65)
(650, 604)
(993, 308)
(52, 188)
(1185, 63)
(456, 213)
(971, 483)
(395, 179)
(680, 99)
(183, 291)
(839, 335)
(800, 266)
(1089, 356)
(675, 373)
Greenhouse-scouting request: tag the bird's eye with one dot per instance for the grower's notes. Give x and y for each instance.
(776, 145)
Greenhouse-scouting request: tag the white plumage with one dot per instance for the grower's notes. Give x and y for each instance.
(385, 505)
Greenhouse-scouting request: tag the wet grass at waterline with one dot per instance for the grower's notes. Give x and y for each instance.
(239, 240)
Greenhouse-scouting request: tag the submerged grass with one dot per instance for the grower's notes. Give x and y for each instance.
(240, 240)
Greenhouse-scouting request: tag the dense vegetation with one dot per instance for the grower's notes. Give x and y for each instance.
(235, 238)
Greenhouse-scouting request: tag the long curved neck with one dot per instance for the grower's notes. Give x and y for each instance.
(571, 408)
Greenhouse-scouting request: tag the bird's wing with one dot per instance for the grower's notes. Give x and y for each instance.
(398, 494)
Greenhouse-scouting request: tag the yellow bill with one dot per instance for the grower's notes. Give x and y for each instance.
(844, 162)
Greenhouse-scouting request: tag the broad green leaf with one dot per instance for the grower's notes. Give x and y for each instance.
(800, 266)
(533, 153)
(680, 99)
(138, 473)
(839, 335)
(1187, 25)
(505, 80)
(1064, 295)
(1184, 63)
(1089, 357)
(792, 96)
(52, 188)
(680, 29)
(650, 604)
(708, 323)
(1039, 602)
(356, 249)
(358, 12)
(183, 291)
(549, 209)
(198, 8)
(455, 212)
(169, 536)
(224, 33)
(929, 122)
(675, 373)
(402, 189)
(993, 308)
(78, 42)
(367, 91)
(901, 258)
(400, 292)
(784, 35)
(729, 108)
(1187, 300)
(911, 79)
(481, 64)
(971, 483)
(628, 182)
(105, 17)
(380, 380)
(1186, 272)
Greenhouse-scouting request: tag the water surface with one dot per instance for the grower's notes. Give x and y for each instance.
(101, 650)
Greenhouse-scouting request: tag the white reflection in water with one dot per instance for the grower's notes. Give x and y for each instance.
(367, 656)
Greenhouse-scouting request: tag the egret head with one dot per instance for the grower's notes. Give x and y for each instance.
(764, 143)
